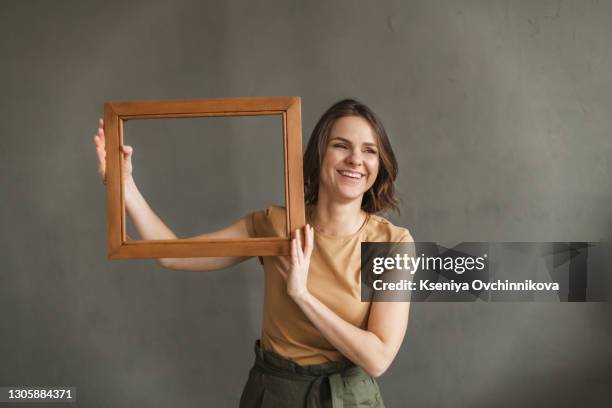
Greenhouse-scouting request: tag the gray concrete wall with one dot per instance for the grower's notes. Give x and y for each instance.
(499, 115)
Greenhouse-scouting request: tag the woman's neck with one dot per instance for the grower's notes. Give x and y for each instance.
(334, 218)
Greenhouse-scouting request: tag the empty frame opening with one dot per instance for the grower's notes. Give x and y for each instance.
(201, 174)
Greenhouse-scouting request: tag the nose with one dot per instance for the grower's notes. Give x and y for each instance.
(355, 158)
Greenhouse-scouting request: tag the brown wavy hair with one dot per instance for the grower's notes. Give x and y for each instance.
(381, 196)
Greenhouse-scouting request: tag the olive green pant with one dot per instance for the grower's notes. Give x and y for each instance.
(275, 382)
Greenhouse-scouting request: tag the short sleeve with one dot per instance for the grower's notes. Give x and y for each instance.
(404, 244)
(252, 229)
(269, 222)
(251, 225)
(405, 236)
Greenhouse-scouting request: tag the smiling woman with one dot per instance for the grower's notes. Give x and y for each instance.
(320, 344)
(350, 127)
(319, 341)
(351, 159)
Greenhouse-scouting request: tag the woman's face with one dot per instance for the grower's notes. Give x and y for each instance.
(351, 161)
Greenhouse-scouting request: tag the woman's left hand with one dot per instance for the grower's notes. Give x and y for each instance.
(299, 262)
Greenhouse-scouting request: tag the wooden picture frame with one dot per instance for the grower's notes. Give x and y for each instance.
(116, 113)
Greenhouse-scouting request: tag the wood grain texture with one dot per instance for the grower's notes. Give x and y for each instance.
(294, 172)
(182, 248)
(116, 113)
(203, 107)
(114, 187)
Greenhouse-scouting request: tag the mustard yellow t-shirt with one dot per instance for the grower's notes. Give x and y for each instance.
(333, 278)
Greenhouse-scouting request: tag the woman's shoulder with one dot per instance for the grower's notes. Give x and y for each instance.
(380, 229)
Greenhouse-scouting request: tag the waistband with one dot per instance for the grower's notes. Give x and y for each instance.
(270, 363)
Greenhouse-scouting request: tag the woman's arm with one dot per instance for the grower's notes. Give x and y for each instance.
(373, 349)
(151, 227)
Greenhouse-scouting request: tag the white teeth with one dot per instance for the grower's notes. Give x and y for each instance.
(350, 174)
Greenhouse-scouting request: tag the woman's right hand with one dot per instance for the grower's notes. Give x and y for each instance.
(100, 142)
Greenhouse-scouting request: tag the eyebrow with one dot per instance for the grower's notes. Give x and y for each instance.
(349, 142)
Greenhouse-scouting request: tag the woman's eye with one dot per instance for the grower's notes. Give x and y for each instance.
(340, 145)
(371, 151)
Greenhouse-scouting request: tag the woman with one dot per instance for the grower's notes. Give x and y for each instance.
(320, 345)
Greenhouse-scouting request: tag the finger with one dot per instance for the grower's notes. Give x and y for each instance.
(101, 165)
(101, 136)
(300, 248)
(98, 141)
(294, 253)
(309, 242)
(127, 150)
(101, 154)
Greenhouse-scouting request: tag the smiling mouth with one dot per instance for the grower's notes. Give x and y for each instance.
(350, 174)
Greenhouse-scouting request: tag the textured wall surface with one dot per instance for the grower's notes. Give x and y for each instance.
(499, 115)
